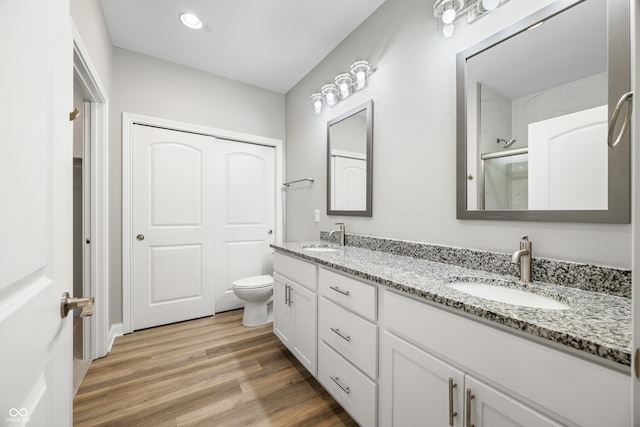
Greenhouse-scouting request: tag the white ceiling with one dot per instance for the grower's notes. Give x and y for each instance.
(567, 47)
(270, 44)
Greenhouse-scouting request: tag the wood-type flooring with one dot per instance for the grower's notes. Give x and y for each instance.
(204, 372)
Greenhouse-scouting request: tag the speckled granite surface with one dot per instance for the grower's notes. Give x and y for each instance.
(596, 323)
(594, 278)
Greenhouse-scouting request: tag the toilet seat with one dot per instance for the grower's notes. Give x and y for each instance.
(254, 282)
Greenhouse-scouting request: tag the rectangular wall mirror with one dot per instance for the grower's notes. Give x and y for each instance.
(349, 150)
(533, 109)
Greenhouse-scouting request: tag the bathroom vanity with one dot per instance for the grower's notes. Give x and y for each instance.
(395, 343)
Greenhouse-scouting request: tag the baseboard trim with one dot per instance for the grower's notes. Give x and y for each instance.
(115, 331)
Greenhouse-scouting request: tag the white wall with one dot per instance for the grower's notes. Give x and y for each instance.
(414, 142)
(154, 87)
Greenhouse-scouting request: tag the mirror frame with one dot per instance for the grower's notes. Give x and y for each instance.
(619, 159)
(368, 107)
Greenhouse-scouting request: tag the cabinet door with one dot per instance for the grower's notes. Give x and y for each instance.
(416, 387)
(282, 325)
(491, 408)
(304, 310)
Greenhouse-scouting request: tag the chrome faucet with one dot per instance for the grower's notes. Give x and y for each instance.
(340, 230)
(523, 256)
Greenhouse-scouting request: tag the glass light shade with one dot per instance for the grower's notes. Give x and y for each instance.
(489, 5)
(344, 81)
(360, 70)
(317, 99)
(330, 91)
(191, 21)
(448, 30)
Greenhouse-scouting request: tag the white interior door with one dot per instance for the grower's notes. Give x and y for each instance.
(244, 216)
(568, 161)
(172, 226)
(36, 217)
(349, 183)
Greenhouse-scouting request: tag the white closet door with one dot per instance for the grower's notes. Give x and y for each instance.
(172, 226)
(244, 216)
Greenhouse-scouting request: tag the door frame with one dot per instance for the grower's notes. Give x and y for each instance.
(130, 119)
(96, 327)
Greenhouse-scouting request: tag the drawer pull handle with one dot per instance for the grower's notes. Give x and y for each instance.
(470, 397)
(337, 381)
(452, 413)
(337, 289)
(340, 334)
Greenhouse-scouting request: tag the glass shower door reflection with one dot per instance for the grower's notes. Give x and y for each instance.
(505, 180)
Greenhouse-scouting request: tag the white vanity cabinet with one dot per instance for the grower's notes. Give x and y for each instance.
(295, 308)
(500, 379)
(348, 344)
(419, 386)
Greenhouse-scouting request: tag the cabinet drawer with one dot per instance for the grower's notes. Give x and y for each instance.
(302, 272)
(356, 296)
(351, 388)
(353, 337)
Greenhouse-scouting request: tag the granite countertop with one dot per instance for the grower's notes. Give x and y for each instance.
(596, 323)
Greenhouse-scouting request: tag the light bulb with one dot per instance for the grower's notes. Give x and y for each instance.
(448, 16)
(330, 98)
(317, 107)
(490, 4)
(360, 76)
(191, 21)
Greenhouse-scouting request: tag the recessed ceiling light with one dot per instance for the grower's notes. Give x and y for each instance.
(191, 21)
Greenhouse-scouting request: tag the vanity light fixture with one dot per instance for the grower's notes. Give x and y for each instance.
(344, 85)
(449, 12)
(190, 20)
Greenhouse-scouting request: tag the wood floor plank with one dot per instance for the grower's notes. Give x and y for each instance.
(205, 372)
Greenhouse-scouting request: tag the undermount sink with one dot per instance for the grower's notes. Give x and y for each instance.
(508, 295)
(320, 248)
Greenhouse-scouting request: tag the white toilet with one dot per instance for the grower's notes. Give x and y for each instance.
(256, 292)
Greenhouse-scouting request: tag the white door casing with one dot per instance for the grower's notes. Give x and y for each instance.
(96, 125)
(128, 230)
(36, 216)
(173, 225)
(576, 139)
(244, 216)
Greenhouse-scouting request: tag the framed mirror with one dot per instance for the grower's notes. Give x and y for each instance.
(349, 151)
(533, 109)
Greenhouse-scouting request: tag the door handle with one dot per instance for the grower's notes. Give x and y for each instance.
(67, 304)
(627, 97)
(270, 232)
(140, 237)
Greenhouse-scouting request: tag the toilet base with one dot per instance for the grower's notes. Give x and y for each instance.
(257, 313)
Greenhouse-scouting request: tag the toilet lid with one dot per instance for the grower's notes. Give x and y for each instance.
(254, 282)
